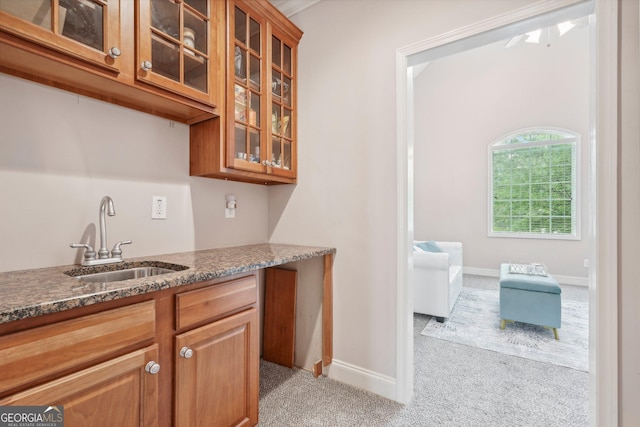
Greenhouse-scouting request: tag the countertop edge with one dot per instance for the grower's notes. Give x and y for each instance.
(258, 258)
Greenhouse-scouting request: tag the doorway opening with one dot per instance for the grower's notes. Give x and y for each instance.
(500, 28)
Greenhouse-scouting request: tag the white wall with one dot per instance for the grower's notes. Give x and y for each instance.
(346, 193)
(465, 102)
(60, 153)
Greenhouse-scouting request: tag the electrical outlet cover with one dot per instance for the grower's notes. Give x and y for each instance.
(159, 207)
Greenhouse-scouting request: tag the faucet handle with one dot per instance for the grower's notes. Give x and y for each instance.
(116, 252)
(89, 253)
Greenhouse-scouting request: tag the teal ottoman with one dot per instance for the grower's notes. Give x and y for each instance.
(529, 299)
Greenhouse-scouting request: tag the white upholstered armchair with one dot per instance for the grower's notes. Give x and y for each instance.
(437, 277)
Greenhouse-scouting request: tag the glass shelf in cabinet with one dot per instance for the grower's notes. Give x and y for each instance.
(286, 60)
(36, 12)
(83, 22)
(195, 33)
(240, 22)
(286, 85)
(255, 36)
(276, 51)
(195, 72)
(254, 72)
(275, 119)
(240, 64)
(254, 109)
(165, 17)
(165, 58)
(240, 139)
(254, 146)
(201, 6)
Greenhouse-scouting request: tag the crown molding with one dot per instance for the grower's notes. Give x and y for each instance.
(291, 7)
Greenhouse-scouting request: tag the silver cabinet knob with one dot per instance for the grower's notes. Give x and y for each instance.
(265, 163)
(152, 367)
(186, 352)
(146, 65)
(114, 52)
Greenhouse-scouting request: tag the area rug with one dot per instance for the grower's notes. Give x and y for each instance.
(475, 321)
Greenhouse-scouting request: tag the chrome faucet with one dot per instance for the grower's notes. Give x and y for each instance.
(106, 204)
(106, 207)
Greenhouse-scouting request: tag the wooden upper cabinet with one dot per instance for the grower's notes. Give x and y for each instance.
(246, 90)
(88, 30)
(281, 143)
(164, 57)
(261, 97)
(177, 47)
(257, 139)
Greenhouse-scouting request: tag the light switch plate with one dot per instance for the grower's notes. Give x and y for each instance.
(159, 207)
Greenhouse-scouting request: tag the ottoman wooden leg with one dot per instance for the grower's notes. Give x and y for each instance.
(555, 332)
(503, 324)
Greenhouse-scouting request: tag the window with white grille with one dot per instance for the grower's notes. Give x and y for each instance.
(533, 184)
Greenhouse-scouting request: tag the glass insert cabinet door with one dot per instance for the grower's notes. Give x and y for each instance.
(282, 111)
(85, 29)
(262, 96)
(175, 45)
(247, 53)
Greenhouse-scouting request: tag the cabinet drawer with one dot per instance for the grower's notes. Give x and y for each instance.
(118, 392)
(197, 306)
(29, 355)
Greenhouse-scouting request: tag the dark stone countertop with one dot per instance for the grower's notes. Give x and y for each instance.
(30, 293)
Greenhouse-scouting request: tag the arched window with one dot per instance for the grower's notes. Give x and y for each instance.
(533, 184)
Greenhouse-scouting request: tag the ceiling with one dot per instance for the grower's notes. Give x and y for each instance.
(291, 7)
(503, 33)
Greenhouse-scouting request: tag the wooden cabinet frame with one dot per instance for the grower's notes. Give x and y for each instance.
(68, 46)
(144, 48)
(34, 53)
(212, 142)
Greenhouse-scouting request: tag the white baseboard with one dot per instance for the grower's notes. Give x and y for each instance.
(363, 378)
(565, 280)
(572, 280)
(490, 272)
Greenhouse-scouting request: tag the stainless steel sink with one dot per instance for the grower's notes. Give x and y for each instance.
(129, 273)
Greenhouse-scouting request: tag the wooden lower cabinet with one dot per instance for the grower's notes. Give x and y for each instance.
(119, 392)
(217, 373)
(113, 364)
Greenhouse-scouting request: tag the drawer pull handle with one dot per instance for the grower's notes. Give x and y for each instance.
(146, 65)
(152, 367)
(186, 352)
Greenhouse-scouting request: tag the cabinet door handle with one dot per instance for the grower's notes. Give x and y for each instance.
(186, 352)
(114, 52)
(146, 65)
(152, 367)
